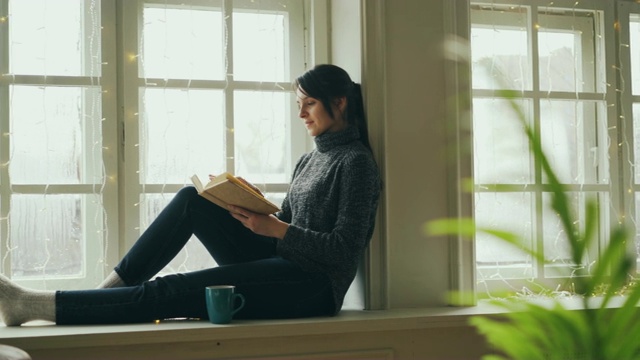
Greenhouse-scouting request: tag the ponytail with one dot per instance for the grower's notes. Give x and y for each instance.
(356, 116)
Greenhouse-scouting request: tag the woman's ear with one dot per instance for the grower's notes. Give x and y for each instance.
(340, 103)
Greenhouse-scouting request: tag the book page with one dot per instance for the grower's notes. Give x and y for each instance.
(226, 189)
(197, 183)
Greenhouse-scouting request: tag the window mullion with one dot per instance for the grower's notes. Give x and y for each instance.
(130, 86)
(538, 231)
(111, 152)
(227, 11)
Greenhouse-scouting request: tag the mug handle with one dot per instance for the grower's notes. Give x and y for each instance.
(233, 299)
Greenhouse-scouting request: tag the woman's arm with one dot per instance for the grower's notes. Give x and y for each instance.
(266, 225)
(357, 193)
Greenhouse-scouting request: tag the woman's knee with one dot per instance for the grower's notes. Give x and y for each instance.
(187, 191)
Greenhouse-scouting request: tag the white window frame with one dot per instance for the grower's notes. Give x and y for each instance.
(119, 123)
(93, 255)
(622, 206)
(627, 100)
(134, 188)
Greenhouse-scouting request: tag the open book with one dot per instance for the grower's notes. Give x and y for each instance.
(225, 189)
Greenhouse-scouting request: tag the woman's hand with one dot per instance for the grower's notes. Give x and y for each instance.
(267, 225)
(250, 185)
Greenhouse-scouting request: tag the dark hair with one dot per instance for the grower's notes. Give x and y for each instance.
(326, 83)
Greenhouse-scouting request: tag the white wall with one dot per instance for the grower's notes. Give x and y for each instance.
(402, 66)
(415, 160)
(346, 52)
(412, 122)
(346, 35)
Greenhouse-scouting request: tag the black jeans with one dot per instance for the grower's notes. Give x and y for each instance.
(272, 286)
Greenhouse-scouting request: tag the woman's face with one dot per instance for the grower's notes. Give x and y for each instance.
(315, 116)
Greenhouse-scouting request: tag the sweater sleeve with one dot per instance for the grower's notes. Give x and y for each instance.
(285, 209)
(358, 191)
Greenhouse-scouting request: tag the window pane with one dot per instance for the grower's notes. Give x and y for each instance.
(557, 58)
(574, 139)
(637, 234)
(566, 45)
(41, 43)
(55, 135)
(556, 245)
(263, 34)
(183, 43)
(276, 198)
(634, 33)
(194, 256)
(494, 65)
(501, 148)
(49, 234)
(262, 123)
(182, 133)
(636, 141)
(511, 212)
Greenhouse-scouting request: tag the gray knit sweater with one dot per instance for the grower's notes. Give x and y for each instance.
(331, 208)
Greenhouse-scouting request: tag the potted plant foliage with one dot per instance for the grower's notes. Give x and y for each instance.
(604, 327)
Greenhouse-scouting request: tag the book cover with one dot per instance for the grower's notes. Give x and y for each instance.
(225, 189)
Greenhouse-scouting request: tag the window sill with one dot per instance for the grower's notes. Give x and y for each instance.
(46, 338)
(391, 328)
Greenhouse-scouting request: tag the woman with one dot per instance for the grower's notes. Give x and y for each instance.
(299, 262)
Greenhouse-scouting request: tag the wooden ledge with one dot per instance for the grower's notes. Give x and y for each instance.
(36, 335)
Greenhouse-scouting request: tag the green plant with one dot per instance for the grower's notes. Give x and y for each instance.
(600, 329)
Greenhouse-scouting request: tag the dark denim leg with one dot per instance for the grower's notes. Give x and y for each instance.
(188, 213)
(273, 288)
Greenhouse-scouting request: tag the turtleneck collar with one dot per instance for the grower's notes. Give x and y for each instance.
(327, 141)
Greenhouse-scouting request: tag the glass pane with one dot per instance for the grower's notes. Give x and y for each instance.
(55, 135)
(182, 43)
(556, 245)
(259, 52)
(637, 234)
(634, 34)
(636, 141)
(557, 58)
(496, 66)
(574, 139)
(41, 44)
(511, 212)
(194, 256)
(49, 234)
(261, 126)
(276, 198)
(501, 148)
(181, 134)
(566, 45)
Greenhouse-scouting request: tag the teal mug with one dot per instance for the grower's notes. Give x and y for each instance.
(221, 303)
